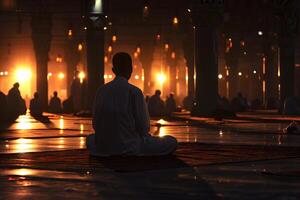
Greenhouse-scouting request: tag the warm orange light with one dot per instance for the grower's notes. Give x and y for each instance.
(59, 59)
(136, 55)
(61, 75)
(105, 76)
(161, 78)
(105, 59)
(220, 76)
(138, 50)
(81, 76)
(167, 47)
(114, 38)
(158, 36)
(110, 49)
(70, 32)
(240, 74)
(49, 75)
(136, 77)
(23, 74)
(173, 55)
(80, 47)
(175, 21)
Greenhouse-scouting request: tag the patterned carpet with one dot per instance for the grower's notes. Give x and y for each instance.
(187, 155)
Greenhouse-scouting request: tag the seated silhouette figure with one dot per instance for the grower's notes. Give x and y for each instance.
(36, 110)
(121, 120)
(156, 105)
(55, 104)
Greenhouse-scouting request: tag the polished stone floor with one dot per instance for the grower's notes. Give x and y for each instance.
(263, 179)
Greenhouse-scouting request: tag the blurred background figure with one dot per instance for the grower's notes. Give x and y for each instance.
(35, 106)
(15, 103)
(156, 105)
(170, 104)
(55, 104)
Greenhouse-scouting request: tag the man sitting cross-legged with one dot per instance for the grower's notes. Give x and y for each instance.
(121, 120)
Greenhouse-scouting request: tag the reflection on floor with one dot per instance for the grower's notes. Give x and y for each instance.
(276, 178)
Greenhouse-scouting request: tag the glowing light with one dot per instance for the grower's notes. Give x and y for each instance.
(138, 50)
(220, 76)
(81, 128)
(6, 73)
(136, 55)
(23, 172)
(162, 121)
(260, 33)
(161, 78)
(158, 36)
(81, 76)
(23, 75)
(23, 145)
(175, 20)
(189, 10)
(70, 32)
(136, 77)
(173, 55)
(243, 43)
(105, 76)
(59, 59)
(109, 49)
(167, 46)
(245, 53)
(240, 74)
(105, 59)
(1, 73)
(254, 71)
(61, 125)
(61, 75)
(114, 38)
(85, 28)
(110, 76)
(24, 123)
(49, 75)
(80, 47)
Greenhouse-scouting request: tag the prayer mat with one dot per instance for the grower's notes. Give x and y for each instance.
(186, 155)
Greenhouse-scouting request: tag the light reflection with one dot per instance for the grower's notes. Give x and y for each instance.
(22, 172)
(162, 132)
(24, 123)
(162, 121)
(61, 125)
(82, 142)
(24, 145)
(81, 128)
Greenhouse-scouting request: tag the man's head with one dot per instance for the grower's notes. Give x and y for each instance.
(157, 92)
(122, 65)
(36, 95)
(55, 93)
(16, 85)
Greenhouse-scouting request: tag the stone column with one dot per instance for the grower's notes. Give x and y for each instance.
(188, 47)
(95, 58)
(232, 62)
(205, 17)
(41, 25)
(271, 71)
(72, 57)
(287, 67)
(288, 14)
(146, 60)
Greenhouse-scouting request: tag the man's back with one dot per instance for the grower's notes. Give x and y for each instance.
(119, 117)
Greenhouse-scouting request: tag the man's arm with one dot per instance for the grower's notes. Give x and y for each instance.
(141, 114)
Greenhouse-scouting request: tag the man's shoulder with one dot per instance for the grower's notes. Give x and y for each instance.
(135, 89)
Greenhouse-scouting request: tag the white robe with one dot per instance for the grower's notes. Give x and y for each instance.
(121, 123)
